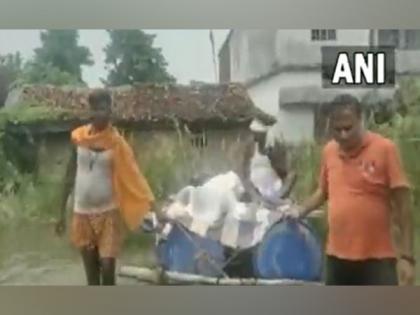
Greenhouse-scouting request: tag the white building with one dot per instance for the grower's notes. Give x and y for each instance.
(282, 70)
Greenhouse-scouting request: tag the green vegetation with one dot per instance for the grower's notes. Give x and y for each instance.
(58, 61)
(402, 126)
(28, 113)
(10, 68)
(29, 199)
(132, 58)
(59, 54)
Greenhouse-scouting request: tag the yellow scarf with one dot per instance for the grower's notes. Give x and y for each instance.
(132, 192)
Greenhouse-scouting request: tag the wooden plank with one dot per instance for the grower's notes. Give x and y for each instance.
(142, 274)
(154, 276)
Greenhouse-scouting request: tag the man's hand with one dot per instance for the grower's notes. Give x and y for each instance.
(251, 196)
(406, 272)
(60, 227)
(246, 197)
(314, 202)
(294, 212)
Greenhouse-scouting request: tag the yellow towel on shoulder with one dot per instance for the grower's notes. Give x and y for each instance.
(132, 192)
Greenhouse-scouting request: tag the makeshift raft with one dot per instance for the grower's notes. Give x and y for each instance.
(162, 277)
(207, 235)
(289, 254)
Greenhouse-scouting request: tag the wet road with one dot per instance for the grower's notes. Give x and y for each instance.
(33, 255)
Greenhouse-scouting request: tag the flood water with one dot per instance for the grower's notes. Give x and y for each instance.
(34, 255)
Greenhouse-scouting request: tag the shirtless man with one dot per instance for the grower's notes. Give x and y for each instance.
(264, 170)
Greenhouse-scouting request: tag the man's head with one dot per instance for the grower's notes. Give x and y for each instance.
(100, 102)
(346, 121)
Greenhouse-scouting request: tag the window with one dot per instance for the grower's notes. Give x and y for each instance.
(412, 39)
(323, 35)
(388, 38)
(409, 39)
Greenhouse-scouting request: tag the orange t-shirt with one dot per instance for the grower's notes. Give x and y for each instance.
(358, 186)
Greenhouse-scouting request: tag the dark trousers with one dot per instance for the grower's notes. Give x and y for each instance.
(364, 272)
(240, 264)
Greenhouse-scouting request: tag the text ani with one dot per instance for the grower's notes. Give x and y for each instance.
(366, 68)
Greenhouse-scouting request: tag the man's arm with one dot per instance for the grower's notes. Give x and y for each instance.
(67, 188)
(244, 171)
(288, 184)
(319, 197)
(400, 201)
(401, 213)
(279, 160)
(312, 203)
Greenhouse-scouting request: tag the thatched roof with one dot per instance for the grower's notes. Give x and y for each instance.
(144, 106)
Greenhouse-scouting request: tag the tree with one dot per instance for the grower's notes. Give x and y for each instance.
(40, 73)
(10, 68)
(61, 52)
(131, 58)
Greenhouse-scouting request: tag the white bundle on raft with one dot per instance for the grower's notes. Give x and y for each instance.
(215, 206)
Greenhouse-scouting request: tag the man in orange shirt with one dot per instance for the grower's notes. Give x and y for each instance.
(364, 182)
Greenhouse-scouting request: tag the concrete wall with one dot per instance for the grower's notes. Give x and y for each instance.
(296, 120)
(407, 61)
(53, 157)
(295, 47)
(292, 58)
(254, 53)
(267, 94)
(407, 53)
(296, 123)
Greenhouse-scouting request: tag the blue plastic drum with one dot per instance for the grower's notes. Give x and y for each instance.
(289, 250)
(182, 251)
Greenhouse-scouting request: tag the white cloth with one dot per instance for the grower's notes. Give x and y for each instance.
(93, 186)
(214, 211)
(272, 136)
(258, 126)
(264, 177)
(210, 201)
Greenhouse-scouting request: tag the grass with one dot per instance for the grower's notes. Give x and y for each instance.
(403, 130)
(38, 201)
(30, 202)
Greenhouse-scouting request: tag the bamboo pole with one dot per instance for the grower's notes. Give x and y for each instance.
(155, 276)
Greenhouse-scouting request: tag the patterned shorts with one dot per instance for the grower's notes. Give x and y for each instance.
(103, 231)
